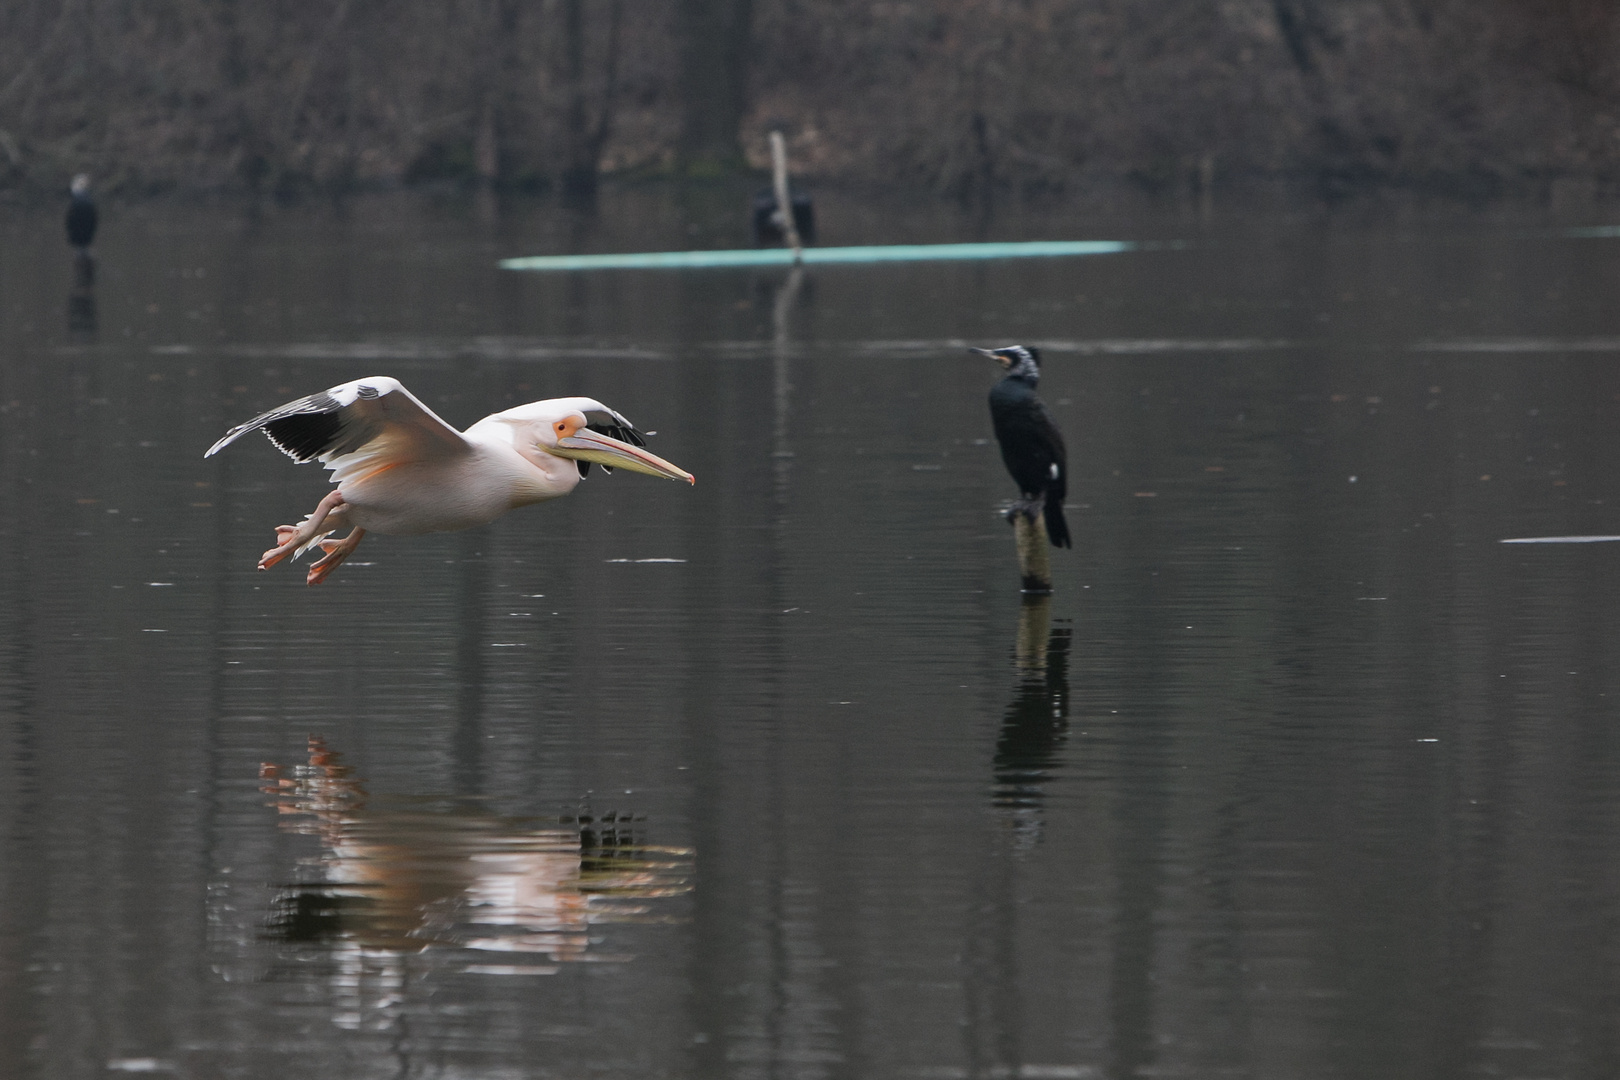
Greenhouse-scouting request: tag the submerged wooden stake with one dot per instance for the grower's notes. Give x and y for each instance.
(1034, 552)
(784, 206)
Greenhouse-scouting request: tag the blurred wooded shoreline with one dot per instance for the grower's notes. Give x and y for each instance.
(1049, 98)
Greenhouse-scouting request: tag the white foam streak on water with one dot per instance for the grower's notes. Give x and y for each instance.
(1098, 347)
(418, 349)
(1520, 345)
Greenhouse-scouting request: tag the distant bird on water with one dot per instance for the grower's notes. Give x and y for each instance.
(401, 470)
(1031, 445)
(81, 214)
(770, 227)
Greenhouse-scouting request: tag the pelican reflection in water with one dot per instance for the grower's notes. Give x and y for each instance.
(403, 877)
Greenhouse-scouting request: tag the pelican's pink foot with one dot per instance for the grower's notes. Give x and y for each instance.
(286, 544)
(336, 552)
(289, 538)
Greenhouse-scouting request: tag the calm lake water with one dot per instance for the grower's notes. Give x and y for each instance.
(1301, 774)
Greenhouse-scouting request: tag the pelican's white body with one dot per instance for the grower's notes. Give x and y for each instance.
(400, 469)
(385, 494)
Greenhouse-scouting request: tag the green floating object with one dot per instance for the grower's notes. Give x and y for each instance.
(700, 260)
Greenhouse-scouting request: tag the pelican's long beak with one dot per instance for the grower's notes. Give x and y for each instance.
(588, 445)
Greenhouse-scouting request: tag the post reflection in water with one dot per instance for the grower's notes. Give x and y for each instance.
(401, 877)
(1036, 723)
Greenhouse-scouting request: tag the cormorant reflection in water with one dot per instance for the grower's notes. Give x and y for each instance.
(1036, 723)
(81, 304)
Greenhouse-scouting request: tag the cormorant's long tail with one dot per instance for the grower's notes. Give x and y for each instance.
(1056, 528)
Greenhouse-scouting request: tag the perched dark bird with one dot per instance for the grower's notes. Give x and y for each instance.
(769, 226)
(81, 214)
(1031, 445)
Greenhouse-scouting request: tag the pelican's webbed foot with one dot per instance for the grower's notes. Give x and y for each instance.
(336, 552)
(293, 539)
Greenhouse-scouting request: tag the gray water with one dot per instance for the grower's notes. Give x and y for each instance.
(1301, 774)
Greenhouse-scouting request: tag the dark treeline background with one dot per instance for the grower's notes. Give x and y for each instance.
(963, 96)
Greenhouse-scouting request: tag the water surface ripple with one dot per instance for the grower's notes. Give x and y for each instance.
(1302, 772)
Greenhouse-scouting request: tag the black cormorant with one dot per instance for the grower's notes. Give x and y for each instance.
(1031, 445)
(81, 214)
(769, 227)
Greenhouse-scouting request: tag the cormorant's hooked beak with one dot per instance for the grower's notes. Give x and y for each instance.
(1000, 358)
(587, 445)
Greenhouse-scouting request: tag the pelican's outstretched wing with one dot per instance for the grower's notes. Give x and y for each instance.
(376, 414)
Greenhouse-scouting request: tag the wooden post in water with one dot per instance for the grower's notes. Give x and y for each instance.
(784, 205)
(1034, 551)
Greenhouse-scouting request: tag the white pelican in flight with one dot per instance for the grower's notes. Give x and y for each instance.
(401, 470)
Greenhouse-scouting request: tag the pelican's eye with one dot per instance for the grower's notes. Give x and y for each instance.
(567, 426)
